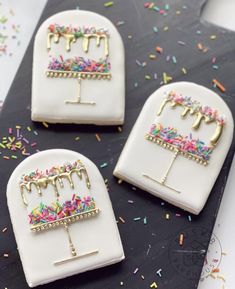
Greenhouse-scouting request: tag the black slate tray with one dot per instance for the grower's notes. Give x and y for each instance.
(152, 246)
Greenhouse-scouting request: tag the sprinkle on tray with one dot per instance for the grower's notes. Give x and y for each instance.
(122, 220)
(219, 85)
(184, 70)
(153, 285)
(166, 78)
(159, 49)
(136, 270)
(98, 137)
(45, 124)
(120, 23)
(119, 128)
(4, 230)
(103, 165)
(77, 138)
(181, 239)
(16, 142)
(147, 77)
(213, 37)
(167, 216)
(149, 248)
(159, 272)
(145, 220)
(108, 4)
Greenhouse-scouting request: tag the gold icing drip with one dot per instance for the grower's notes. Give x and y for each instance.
(70, 38)
(199, 118)
(51, 35)
(45, 181)
(216, 136)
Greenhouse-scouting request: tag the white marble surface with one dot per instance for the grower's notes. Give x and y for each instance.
(26, 14)
(224, 236)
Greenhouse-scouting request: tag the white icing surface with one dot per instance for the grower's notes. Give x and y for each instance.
(141, 156)
(49, 94)
(38, 251)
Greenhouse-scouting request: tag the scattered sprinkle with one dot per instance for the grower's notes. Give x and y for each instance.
(103, 165)
(147, 77)
(166, 78)
(159, 49)
(152, 56)
(181, 43)
(137, 219)
(122, 220)
(213, 37)
(145, 220)
(120, 23)
(155, 29)
(136, 270)
(108, 4)
(167, 216)
(153, 285)
(181, 240)
(98, 137)
(219, 85)
(119, 128)
(4, 229)
(174, 60)
(200, 46)
(149, 248)
(159, 272)
(184, 70)
(45, 124)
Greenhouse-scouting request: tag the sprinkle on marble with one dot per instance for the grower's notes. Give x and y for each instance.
(16, 142)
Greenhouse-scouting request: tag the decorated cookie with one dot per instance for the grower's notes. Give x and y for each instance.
(62, 216)
(178, 145)
(78, 70)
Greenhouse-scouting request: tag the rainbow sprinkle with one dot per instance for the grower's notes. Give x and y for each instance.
(187, 101)
(57, 211)
(17, 142)
(36, 175)
(77, 32)
(185, 144)
(80, 64)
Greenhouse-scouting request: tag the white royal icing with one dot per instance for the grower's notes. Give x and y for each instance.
(142, 157)
(39, 250)
(50, 94)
